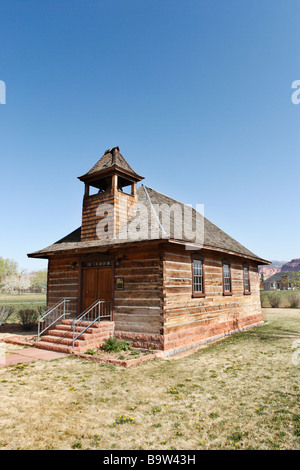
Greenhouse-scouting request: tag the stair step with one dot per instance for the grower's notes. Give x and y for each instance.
(99, 324)
(60, 337)
(54, 347)
(91, 330)
(69, 341)
(69, 334)
(59, 347)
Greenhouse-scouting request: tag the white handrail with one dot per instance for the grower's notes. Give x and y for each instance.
(54, 311)
(91, 315)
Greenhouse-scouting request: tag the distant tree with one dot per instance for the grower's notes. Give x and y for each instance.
(39, 281)
(16, 283)
(292, 277)
(8, 267)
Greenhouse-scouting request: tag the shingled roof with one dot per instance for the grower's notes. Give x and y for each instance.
(213, 237)
(112, 158)
(277, 277)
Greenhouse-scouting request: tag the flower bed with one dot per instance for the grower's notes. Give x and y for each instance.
(117, 352)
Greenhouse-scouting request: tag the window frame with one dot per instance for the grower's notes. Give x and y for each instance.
(196, 294)
(226, 262)
(246, 292)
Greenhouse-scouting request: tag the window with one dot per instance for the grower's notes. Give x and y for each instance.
(198, 276)
(246, 279)
(226, 278)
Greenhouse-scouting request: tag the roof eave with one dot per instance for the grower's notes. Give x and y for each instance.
(196, 246)
(189, 245)
(90, 177)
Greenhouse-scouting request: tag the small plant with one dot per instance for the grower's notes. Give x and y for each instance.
(77, 445)
(41, 309)
(114, 345)
(274, 299)
(294, 299)
(5, 313)
(28, 317)
(123, 419)
(135, 352)
(92, 352)
(236, 436)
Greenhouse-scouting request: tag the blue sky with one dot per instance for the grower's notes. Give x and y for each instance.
(197, 95)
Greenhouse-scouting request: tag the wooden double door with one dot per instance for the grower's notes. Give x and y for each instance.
(97, 284)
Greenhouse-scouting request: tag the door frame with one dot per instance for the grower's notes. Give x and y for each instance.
(93, 259)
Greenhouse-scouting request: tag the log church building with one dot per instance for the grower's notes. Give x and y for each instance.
(144, 268)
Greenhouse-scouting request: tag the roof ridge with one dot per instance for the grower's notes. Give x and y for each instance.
(165, 195)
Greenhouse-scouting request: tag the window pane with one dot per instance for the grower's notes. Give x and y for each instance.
(226, 276)
(246, 279)
(198, 276)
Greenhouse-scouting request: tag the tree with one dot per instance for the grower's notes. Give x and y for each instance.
(292, 277)
(39, 281)
(8, 267)
(14, 283)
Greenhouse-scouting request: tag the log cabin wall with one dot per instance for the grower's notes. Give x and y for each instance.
(138, 309)
(189, 321)
(118, 204)
(63, 281)
(156, 308)
(90, 218)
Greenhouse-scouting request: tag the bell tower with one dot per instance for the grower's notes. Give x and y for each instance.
(105, 211)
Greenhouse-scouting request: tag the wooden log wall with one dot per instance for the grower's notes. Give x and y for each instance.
(139, 307)
(118, 214)
(214, 313)
(63, 281)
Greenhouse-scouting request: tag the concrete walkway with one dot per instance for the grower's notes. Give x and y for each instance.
(26, 355)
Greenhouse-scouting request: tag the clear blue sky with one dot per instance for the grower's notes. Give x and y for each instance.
(196, 93)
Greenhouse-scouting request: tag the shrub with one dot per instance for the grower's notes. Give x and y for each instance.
(274, 299)
(5, 313)
(28, 317)
(112, 344)
(294, 299)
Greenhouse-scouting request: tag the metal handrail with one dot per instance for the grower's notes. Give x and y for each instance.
(55, 312)
(94, 313)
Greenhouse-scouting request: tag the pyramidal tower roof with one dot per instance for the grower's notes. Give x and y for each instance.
(112, 160)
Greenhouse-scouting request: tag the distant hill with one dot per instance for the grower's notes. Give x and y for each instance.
(268, 271)
(279, 266)
(293, 265)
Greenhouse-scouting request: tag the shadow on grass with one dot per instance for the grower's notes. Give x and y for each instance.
(269, 333)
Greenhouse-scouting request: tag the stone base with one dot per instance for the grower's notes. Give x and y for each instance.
(189, 338)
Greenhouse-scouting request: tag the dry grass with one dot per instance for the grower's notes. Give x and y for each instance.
(240, 393)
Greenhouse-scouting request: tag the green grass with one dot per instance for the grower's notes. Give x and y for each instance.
(21, 301)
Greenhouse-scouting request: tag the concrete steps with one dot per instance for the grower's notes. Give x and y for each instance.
(60, 338)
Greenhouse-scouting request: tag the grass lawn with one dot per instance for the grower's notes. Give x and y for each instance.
(21, 301)
(239, 393)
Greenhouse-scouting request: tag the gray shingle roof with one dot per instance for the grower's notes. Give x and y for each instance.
(278, 276)
(111, 158)
(153, 217)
